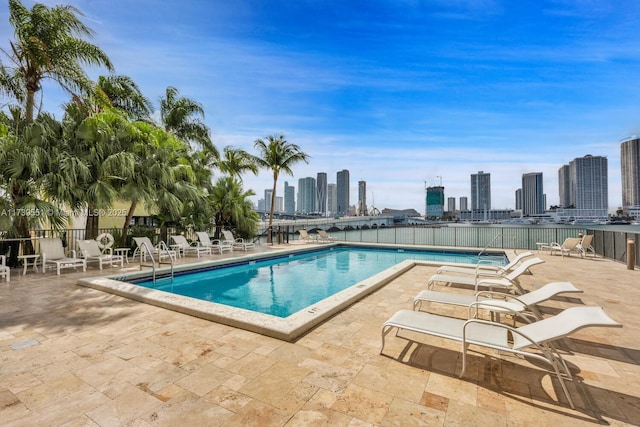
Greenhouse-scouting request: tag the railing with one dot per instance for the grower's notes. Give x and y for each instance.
(607, 242)
(146, 250)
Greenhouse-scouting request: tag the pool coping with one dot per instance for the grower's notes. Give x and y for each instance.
(287, 329)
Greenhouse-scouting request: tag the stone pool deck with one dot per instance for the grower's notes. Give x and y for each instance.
(76, 356)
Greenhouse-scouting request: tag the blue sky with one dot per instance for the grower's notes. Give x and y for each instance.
(398, 92)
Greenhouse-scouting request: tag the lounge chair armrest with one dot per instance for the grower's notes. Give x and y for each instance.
(490, 294)
(488, 264)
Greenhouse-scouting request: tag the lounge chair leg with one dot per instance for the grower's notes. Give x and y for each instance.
(464, 360)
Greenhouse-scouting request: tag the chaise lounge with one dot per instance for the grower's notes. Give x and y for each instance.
(472, 269)
(537, 335)
(5, 271)
(487, 279)
(498, 302)
(237, 242)
(52, 252)
(570, 245)
(145, 247)
(90, 251)
(181, 243)
(219, 245)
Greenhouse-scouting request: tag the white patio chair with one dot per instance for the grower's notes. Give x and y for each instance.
(584, 247)
(90, 251)
(497, 302)
(306, 237)
(205, 241)
(323, 236)
(471, 269)
(238, 242)
(5, 271)
(537, 335)
(180, 242)
(487, 279)
(158, 251)
(52, 252)
(569, 246)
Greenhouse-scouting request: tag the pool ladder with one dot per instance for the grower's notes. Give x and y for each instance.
(494, 239)
(162, 250)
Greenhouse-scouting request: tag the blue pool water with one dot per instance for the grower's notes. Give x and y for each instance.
(285, 285)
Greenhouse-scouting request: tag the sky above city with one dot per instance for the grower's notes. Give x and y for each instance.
(402, 93)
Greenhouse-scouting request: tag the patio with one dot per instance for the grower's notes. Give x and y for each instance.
(71, 355)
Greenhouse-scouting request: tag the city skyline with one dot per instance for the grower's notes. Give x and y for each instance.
(398, 92)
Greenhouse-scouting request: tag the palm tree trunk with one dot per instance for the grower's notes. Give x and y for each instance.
(127, 221)
(91, 229)
(271, 208)
(28, 108)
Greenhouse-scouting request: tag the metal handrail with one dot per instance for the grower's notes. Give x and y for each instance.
(161, 247)
(493, 240)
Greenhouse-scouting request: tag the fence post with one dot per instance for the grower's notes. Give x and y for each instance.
(631, 254)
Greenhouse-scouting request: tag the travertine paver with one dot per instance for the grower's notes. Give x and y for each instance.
(75, 356)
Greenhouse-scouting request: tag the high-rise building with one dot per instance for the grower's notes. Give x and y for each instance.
(435, 202)
(564, 187)
(519, 199)
(588, 184)
(481, 191)
(307, 195)
(532, 194)
(464, 203)
(289, 198)
(451, 205)
(321, 192)
(342, 200)
(332, 198)
(362, 198)
(630, 169)
(267, 200)
(279, 204)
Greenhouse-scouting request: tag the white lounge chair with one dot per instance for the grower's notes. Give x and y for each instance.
(498, 302)
(205, 241)
(90, 251)
(304, 236)
(538, 335)
(323, 236)
(570, 245)
(584, 247)
(487, 279)
(180, 242)
(52, 252)
(5, 271)
(471, 269)
(159, 251)
(238, 242)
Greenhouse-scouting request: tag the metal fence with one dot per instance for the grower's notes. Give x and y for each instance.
(606, 243)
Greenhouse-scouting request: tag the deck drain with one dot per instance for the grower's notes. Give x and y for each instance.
(24, 344)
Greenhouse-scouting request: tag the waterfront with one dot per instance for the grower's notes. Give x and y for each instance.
(77, 356)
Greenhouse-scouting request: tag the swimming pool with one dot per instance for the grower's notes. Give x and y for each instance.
(293, 325)
(284, 285)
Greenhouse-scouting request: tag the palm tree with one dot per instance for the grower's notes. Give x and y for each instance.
(162, 176)
(116, 92)
(29, 159)
(232, 207)
(236, 161)
(278, 155)
(49, 44)
(183, 117)
(98, 160)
